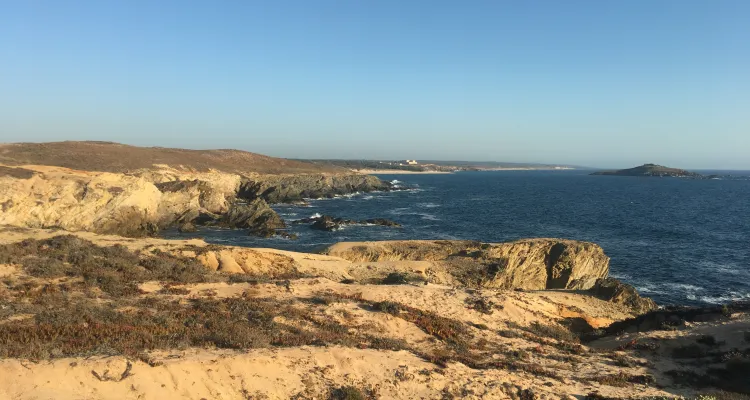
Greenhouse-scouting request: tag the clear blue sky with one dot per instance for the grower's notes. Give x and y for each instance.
(600, 83)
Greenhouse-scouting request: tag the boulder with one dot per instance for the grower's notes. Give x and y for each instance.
(614, 291)
(329, 223)
(381, 222)
(256, 216)
(187, 227)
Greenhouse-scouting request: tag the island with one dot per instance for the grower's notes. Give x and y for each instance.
(652, 170)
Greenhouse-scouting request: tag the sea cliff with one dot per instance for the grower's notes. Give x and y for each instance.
(113, 198)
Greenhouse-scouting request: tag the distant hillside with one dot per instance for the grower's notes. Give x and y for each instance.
(500, 164)
(432, 165)
(116, 157)
(652, 170)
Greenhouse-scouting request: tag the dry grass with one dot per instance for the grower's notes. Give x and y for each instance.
(453, 332)
(622, 379)
(18, 173)
(115, 269)
(82, 327)
(115, 157)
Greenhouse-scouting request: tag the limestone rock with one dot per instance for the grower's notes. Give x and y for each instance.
(187, 227)
(295, 188)
(615, 291)
(142, 202)
(532, 264)
(256, 216)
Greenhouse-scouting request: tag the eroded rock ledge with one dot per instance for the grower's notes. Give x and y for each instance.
(531, 264)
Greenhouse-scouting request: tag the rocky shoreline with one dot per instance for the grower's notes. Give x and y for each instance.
(143, 203)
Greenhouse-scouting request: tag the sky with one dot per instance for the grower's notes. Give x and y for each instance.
(598, 83)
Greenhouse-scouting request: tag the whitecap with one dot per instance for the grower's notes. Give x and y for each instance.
(428, 205)
(648, 288)
(683, 286)
(731, 268)
(732, 296)
(428, 217)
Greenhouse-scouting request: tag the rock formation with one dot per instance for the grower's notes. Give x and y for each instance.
(329, 223)
(533, 264)
(296, 188)
(621, 293)
(144, 202)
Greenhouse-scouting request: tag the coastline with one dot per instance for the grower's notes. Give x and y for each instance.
(405, 172)
(477, 312)
(397, 172)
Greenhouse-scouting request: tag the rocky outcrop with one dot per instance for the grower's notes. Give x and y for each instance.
(297, 188)
(256, 216)
(533, 264)
(329, 223)
(143, 202)
(82, 201)
(614, 291)
(674, 317)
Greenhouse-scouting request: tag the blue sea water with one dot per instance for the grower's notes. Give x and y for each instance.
(679, 241)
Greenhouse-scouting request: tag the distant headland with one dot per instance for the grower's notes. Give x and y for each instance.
(431, 166)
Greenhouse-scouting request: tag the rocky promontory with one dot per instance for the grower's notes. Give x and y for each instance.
(652, 170)
(124, 192)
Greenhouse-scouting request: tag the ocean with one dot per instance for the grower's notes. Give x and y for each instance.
(679, 241)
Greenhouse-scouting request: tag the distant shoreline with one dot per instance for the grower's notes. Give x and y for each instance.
(397, 171)
(407, 172)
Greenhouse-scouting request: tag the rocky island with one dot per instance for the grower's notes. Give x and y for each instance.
(93, 305)
(652, 170)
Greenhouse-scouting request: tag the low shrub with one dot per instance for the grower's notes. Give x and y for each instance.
(622, 379)
(481, 304)
(347, 393)
(552, 331)
(114, 269)
(689, 351)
